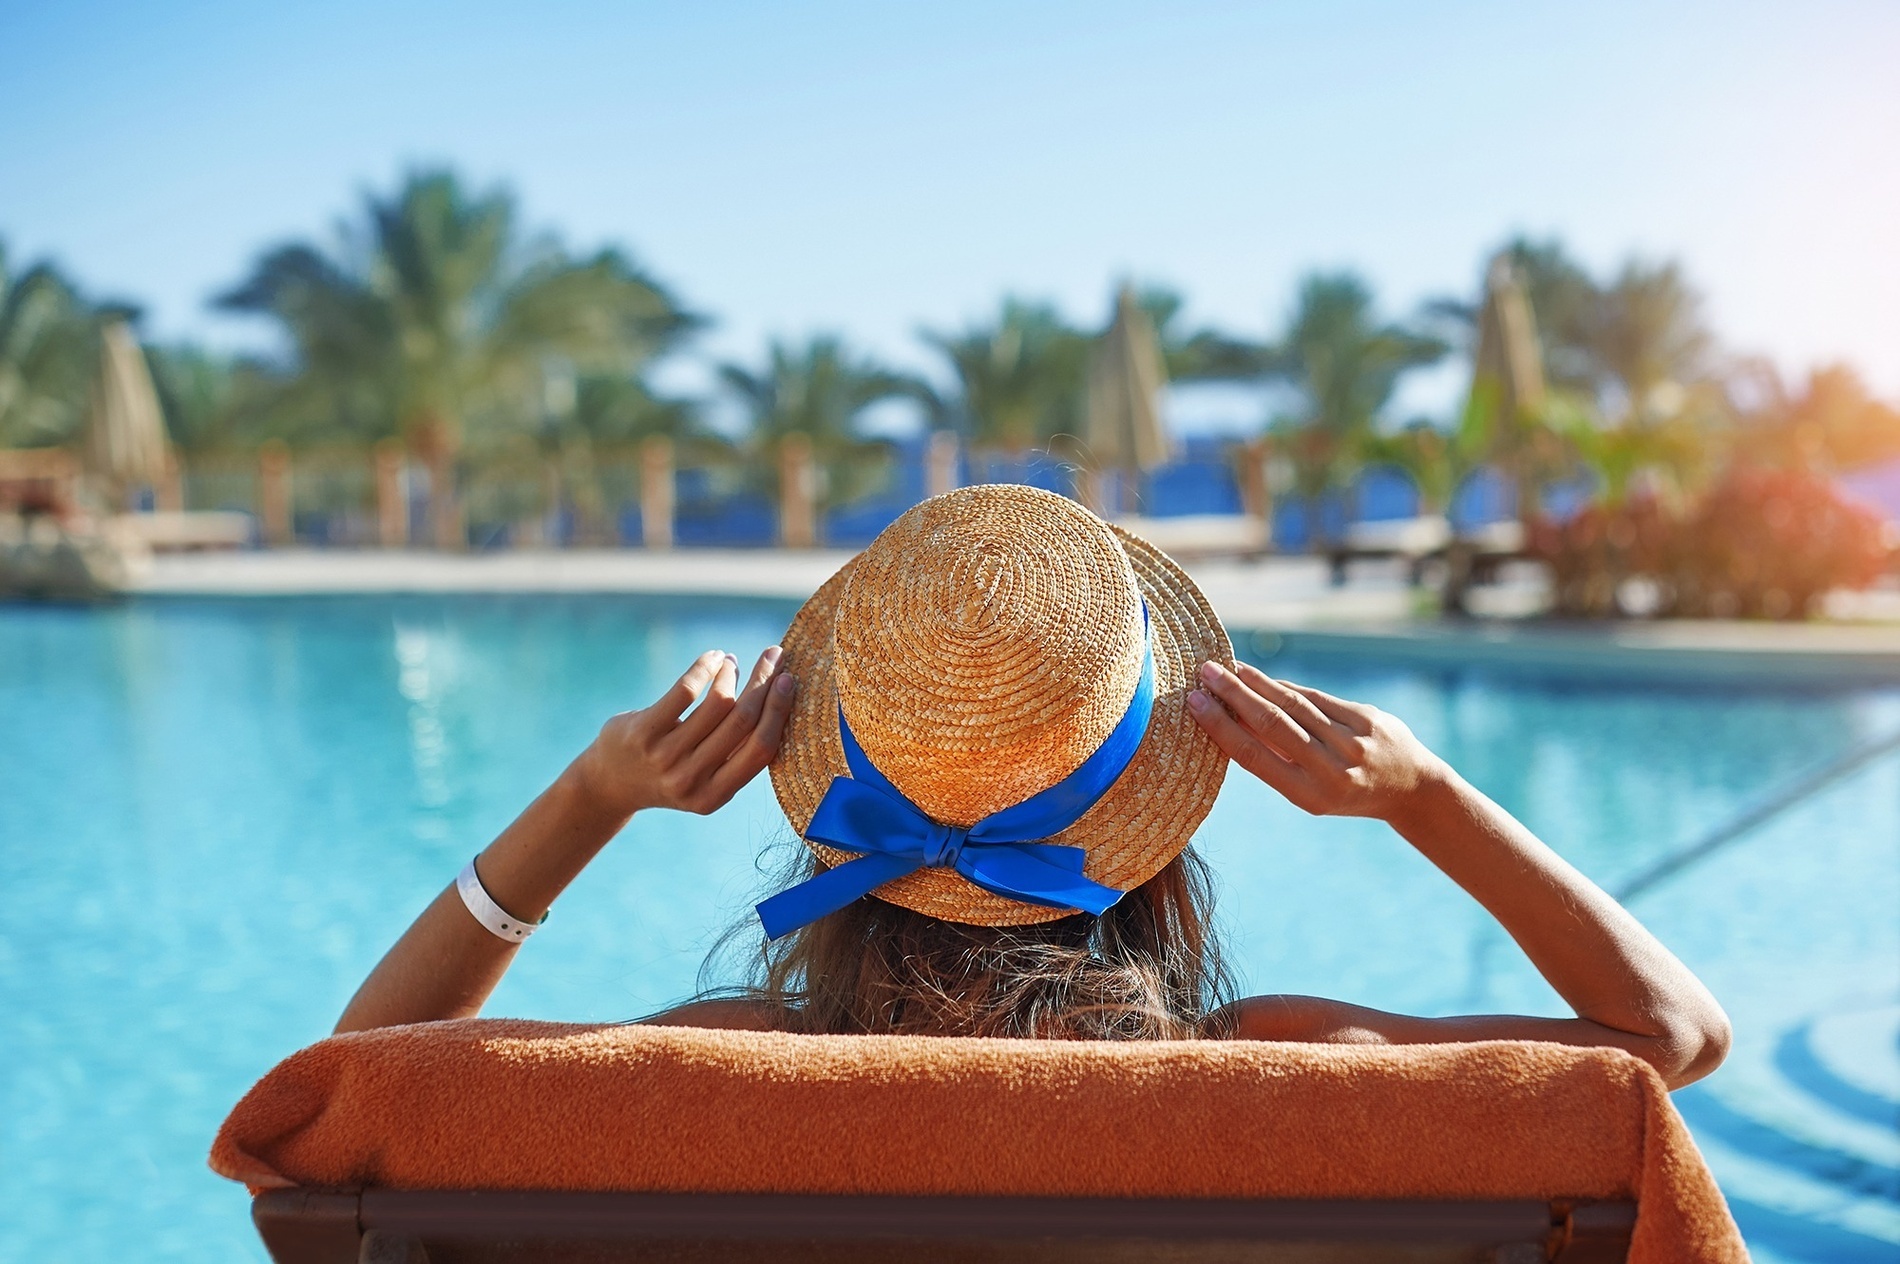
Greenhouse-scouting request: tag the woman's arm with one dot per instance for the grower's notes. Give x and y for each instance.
(1332, 757)
(447, 963)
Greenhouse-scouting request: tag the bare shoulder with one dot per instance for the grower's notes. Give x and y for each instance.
(736, 1013)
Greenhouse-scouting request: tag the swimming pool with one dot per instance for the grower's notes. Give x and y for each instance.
(215, 815)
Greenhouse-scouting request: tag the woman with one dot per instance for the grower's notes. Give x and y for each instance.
(996, 730)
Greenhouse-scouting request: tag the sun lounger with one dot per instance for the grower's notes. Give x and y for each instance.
(447, 1227)
(44, 558)
(177, 531)
(1480, 551)
(1412, 539)
(1202, 535)
(488, 1141)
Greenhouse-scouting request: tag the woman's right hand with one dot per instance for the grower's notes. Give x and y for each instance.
(1338, 758)
(654, 758)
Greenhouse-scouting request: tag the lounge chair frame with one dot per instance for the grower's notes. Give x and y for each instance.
(380, 1226)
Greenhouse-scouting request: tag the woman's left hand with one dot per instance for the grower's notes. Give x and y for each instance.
(1328, 756)
(447, 963)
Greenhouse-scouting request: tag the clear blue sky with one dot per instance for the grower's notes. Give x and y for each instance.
(873, 168)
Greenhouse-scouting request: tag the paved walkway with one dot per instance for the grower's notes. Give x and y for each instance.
(1272, 592)
(284, 572)
(1277, 603)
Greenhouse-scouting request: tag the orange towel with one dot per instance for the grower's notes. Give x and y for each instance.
(494, 1104)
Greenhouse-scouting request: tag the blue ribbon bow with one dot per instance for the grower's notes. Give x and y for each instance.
(1001, 853)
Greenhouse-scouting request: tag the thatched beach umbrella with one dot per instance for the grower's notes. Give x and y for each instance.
(1506, 409)
(125, 431)
(1508, 361)
(1122, 426)
(1507, 382)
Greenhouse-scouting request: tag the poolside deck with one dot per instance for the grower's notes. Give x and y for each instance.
(787, 573)
(1273, 592)
(1282, 604)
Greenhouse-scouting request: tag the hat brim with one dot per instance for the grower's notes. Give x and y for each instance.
(1144, 820)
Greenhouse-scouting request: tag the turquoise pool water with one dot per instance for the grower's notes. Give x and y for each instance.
(215, 815)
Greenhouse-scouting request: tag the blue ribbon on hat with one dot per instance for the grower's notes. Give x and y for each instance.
(1002, 853)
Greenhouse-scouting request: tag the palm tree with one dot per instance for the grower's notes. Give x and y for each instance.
(1627, 365)
(1658, 407)
(1642, 329)
(1344, 363)
(1436, 460)
(583, 422)
(436, 317)
(205, 396)
(1203, 355)
(1831, 423)
(817, 389)
(1567, 307)
(49, 352)
(1020, 379)
(621, 410)
(1650, 342)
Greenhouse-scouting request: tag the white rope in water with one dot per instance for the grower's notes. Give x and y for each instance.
(1773, 806)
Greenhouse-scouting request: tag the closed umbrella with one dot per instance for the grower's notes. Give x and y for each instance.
(1508, 358)
(1123, 422)
(125, 433)
(1507, 382)
(1506, 406)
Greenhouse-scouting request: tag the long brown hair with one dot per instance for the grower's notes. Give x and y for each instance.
(1148, 969)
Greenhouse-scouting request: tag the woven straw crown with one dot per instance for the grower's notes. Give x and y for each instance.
(981, 649)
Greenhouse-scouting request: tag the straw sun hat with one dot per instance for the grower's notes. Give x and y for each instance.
(985, 646)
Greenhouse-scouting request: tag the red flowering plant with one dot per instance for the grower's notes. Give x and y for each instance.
(1761, 543)
(1767, 543)
(1595, 553)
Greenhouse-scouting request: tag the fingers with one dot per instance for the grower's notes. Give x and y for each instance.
(1247, 750)
(1265, 719)
(763, 670)
(673, 703)
(720, 695)
(1302, 709)
(1350, 715)
(755, 749)
(738, 722)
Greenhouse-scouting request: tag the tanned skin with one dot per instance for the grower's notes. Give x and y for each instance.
(447, 963)
(1327, 756)
(1331, 757)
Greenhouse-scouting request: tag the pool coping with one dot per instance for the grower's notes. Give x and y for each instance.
(1673, 649)
(1281, 606)
(793, 574)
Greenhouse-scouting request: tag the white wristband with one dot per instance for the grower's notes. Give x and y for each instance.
(491, 915)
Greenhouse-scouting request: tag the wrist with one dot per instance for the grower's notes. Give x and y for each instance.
(590, 791)
(1434, 785)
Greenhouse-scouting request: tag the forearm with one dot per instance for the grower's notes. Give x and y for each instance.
(1596, 955)
(447, 963)
(1333, 757)
(1321, 1020)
